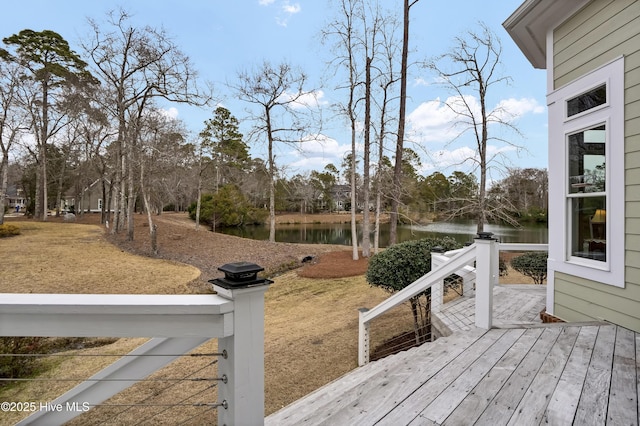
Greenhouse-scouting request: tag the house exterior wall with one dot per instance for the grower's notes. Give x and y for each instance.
(596, 35)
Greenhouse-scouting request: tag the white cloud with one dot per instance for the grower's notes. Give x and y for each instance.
(265, 2)
(434, 121)
(311, 100)
(516, 108)
(288, 10)
(170, 113)
(316, 151)
(292, 9)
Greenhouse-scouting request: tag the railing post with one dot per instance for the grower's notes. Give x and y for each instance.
(437, 289)
(486, 276)
(363, 338)
(242, 393)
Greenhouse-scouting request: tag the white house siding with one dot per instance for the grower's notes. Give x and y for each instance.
(597, 34)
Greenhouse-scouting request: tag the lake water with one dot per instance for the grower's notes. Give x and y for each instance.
(341, 233)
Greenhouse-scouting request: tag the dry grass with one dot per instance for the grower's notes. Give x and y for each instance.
(312, 333)
(311, 324)
(72, 258)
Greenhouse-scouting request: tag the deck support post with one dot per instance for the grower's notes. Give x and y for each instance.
(243, 392)
(486, 277)
(363, 338)
(437, 289)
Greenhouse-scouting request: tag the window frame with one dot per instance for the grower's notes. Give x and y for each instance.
(611, 114)
(571, 196)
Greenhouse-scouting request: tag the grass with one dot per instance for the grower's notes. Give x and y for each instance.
(72, 258)
(311, 324)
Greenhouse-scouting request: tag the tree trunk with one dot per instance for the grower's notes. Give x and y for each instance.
(354, 201)
(272, 184)
(397, 172)
(4, 183)
(199, 199)
(366, 237)
(43, 147)
(131, 196)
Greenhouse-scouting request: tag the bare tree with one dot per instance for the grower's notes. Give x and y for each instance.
(473, 66)
(346, 39)
(387, 79)
(279, 93)
(137, 65)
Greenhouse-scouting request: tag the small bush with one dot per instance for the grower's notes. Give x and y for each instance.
(16, 367)
(7, 230)
(402, 264)
(532, 264)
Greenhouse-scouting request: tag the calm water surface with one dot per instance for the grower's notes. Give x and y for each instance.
(341, 233)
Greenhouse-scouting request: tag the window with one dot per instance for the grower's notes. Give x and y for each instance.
(587, 193)
(586, 101)
(586, 176)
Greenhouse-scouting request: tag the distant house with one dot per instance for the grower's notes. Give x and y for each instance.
(16, 199)
(89, 200)
(341, 197)
(591, 51)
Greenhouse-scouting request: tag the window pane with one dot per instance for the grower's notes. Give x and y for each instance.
(587, 161)
(589, 228)
(586, 101)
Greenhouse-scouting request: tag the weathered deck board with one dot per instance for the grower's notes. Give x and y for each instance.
(468, 411)
(512, 304)
(623, 397)
(564, 400)
(592, 408)
(423, 395)
(453, 395)
(516, 373)
(334, 397)
(504, 403)
(391, 392)
(560, 374)
(531, 408)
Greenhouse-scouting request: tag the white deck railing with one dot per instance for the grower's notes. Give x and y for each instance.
(176, 323)
(484, 253)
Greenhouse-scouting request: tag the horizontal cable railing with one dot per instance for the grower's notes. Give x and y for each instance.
(177, 324)
(185, 394)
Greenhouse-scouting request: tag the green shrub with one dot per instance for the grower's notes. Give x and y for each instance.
(7, 230)
(532, 264)
(398, 266)
(402, 264)
(16, 367)
(227, 208)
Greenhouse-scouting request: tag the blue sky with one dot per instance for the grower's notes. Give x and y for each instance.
(223, 37)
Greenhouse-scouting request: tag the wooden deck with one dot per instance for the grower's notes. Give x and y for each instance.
(512, 304)
(520, 374)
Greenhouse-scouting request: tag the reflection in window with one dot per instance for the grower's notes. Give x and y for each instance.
(587, 101)
(589, 228)
(587, 160)
(587, 193)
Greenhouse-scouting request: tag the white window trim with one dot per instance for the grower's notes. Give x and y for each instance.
(612, 114)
